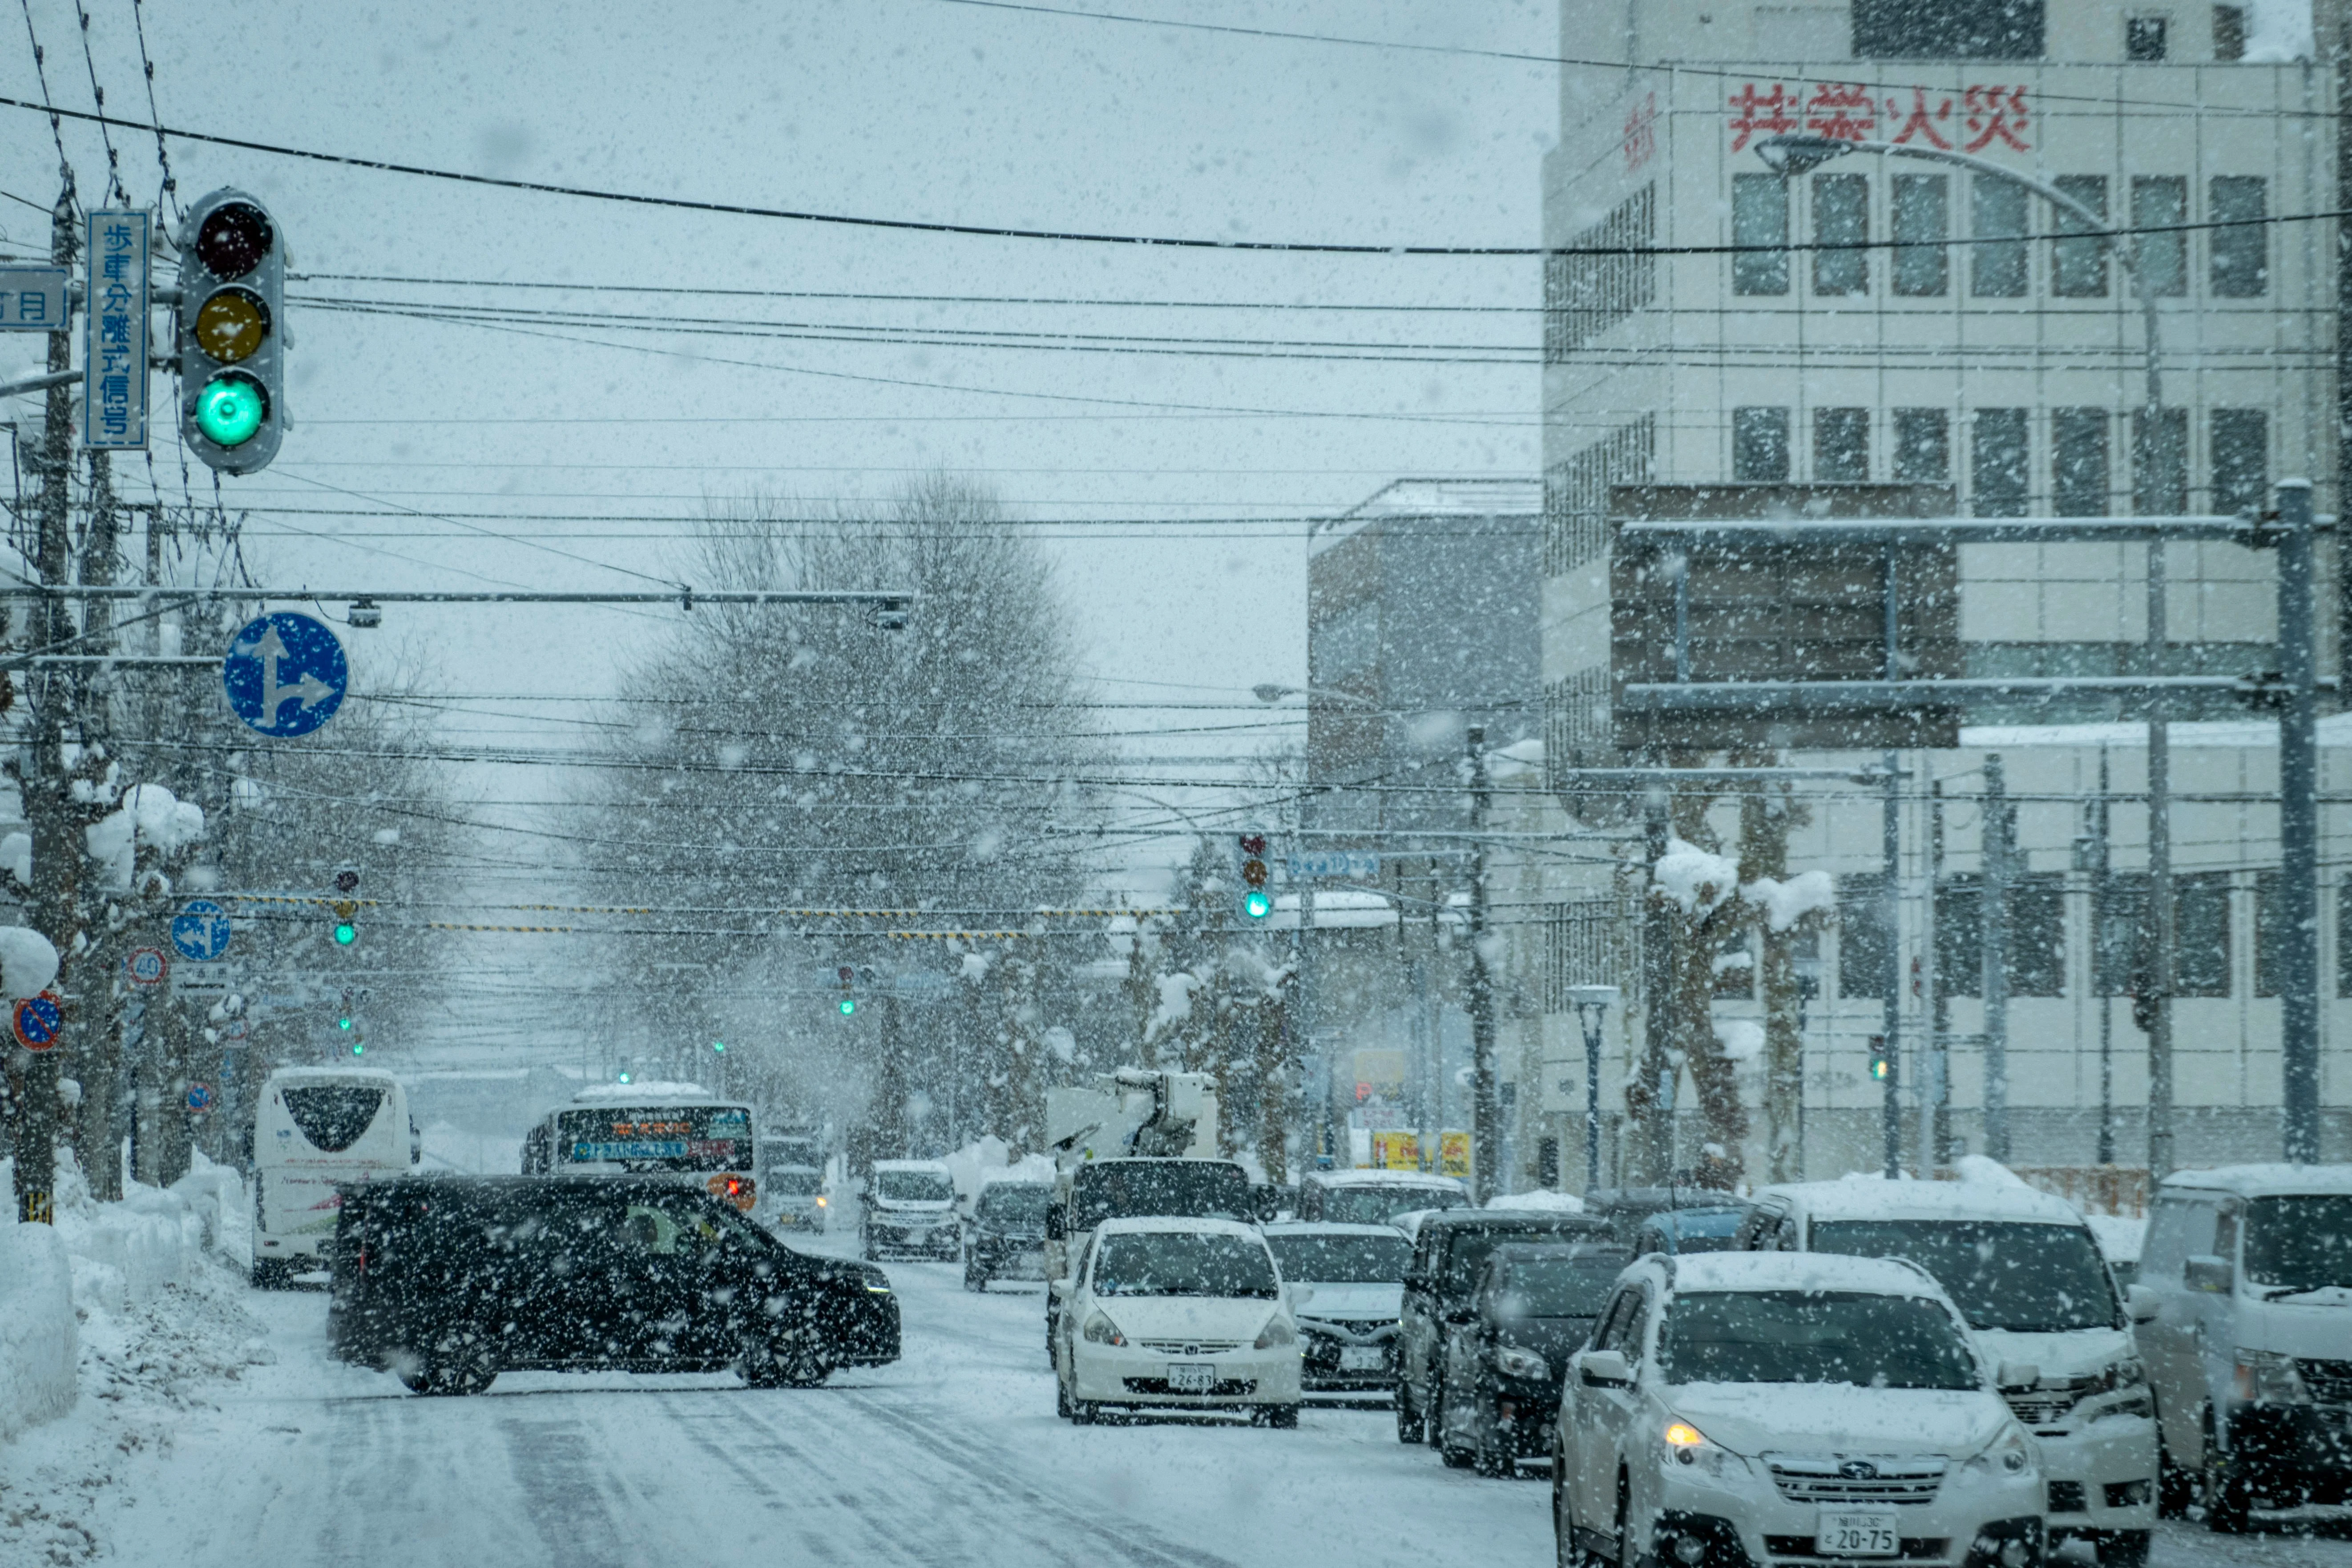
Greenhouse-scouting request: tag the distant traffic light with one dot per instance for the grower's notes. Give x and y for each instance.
(232, 332)
(346, 905)
(1879, 1063)
(718, 1046)
(848, 1001)
(1251, 874)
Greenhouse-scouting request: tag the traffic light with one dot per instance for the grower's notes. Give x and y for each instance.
(1879, 1064)
(1251, 874)
(718, 1046)
(848, 1001)
(231, 329)
(346, 905)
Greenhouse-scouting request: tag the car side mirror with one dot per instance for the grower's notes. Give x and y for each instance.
(1058, 1288)
(1057, 1224)
(1301, 1294)
(1604, 1369)
(2210, 1274)
(2018, 1374)
(2141, 1304)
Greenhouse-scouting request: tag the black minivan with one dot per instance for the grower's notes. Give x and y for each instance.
(449, 1281)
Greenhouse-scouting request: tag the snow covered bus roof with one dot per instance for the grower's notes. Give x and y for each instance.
(1802, 1271)
(1378, 1178)
(640, 1093)
(332, 1075)
(2267, 1181)
(1875, 1199)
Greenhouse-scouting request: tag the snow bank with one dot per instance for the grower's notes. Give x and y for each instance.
(1545, 1200)
(39, 1346)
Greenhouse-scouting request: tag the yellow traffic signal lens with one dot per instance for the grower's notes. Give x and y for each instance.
(233, 325)
(231, 408)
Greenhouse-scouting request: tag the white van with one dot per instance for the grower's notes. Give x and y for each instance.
(319, 1128)
(2026, 1272)
(2246, 1300)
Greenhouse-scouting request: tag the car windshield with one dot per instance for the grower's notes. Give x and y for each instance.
(1342, 1259)
(2301, 1243)
(1016, 1203)
(789, 1183)
(1379, 1205)
(1187, 1189)
(1807, 1336)
(1182, 1263)
(914, 1186)
(2021, 1276)
(1467, 1249)
(1558, 1286)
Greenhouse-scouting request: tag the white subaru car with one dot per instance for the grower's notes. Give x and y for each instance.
(1189, 1313)
(1751, 1408)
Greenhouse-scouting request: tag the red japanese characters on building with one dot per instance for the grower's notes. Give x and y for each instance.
(1845, 111)
(1642, 132)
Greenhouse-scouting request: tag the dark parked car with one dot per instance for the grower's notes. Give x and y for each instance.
(1005, 1237)
(1629, 1209)
(1678, 1231)
(1449, 1259)
(450, 1281)
(1347, 1332)
(1534, 1308)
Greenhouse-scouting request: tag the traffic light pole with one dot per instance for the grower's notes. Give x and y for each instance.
(1485, 1097)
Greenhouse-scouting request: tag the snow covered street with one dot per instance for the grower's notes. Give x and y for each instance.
(953, 1455)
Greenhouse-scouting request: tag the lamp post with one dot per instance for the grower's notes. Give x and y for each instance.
(1593, 1004)
(1792, 155)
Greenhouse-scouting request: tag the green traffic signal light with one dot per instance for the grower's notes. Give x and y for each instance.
(718, 1046)
(625, 1075)
(345, 1023)
(848, 1005)
(346, 934)
(231, 408)
(1878, 1068)
(1258, 905)
(359, 1048)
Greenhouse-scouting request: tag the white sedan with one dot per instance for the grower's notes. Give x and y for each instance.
(1186, 1313)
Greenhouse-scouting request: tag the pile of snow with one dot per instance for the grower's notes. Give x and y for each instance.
(2119, 1236)
(1984, 1169)
(1543, 1200)
(1742, 1038)
(27, 962)
(1694, 880)
(654, 1093)
(149, 815)
(38, 1345)
(1786, 904)
(988, 1158)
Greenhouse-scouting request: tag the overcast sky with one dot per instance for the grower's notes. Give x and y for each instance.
(917, 108)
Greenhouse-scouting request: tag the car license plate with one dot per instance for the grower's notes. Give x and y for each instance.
(1858, 1535)
(1360, 1358)
(1191, 1377)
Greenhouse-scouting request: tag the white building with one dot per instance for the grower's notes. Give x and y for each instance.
(1931, 326)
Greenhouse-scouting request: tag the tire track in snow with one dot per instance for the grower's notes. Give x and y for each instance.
(565, 1495)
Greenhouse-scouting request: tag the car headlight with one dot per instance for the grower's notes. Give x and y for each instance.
(1685, 1446)
(1277, 1334)
(1513, 1362)
(2011, 1453)
(2267, 1377)
(1102, 1330)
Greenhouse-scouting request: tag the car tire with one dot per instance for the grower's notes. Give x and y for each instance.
(1457, 1455)
(1432, 1409)
(2224, 1490)
(1083, 1412)
(2126, 1549)
(972, 1281)
(2176, 1484)
(1281, 1417)
(1061, 1398)
(1491, 1456)
(467, 1371)
(1564, 1552)
(271, 1274)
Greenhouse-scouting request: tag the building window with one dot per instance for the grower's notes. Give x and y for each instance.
(1997, 462)
(2159, 461)
(1948, 29)
(1997, 264)
(2078, 462)
(1862, 938)
(2161, 202)
(1576, 492)
(1759, 217)
(1923, 447)
(2240, 459)
(1840, 446)
(2078, 268)
(1595, 942)
(1759, 446)
(1921, 219)
(1735, 967)
(2241, 255)
(2200, 935)
(1602, 279)
(2037, 935)
(1841, 217)
(2229, 32)
(2143, 38)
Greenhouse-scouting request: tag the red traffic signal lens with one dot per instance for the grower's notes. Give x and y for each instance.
(1253, 843)
(347, 880)
(846, 974)
(234, 239)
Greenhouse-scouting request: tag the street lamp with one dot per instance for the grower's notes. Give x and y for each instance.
(1593, 1004)
(1788, 156)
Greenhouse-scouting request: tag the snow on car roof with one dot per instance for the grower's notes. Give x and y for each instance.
(639, 1093)
(2120, 1237)
(1328, 1227)
(1876, 1199)
(933, 1166)
(1175, 1222)
(2267, 1181)
(1368, 1178)
(1801, 1271)
(333, 1075)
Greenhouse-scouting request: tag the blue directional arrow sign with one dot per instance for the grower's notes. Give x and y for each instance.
(200, 930)
(284, 674)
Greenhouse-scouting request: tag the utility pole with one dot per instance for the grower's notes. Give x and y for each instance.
(2157, 994)
(1940, 1015)
(2101, 874)
(55, 827)
(1657, 1072)
(1890, 900)
(2298, 912)
(1486, 1107)
(1993, 914)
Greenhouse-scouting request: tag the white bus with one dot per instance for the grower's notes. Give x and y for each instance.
(678, 1130)
(316, 1130)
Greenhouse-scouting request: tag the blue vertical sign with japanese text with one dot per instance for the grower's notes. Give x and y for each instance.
(114, 376)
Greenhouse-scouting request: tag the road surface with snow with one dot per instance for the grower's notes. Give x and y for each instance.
(951, 1456)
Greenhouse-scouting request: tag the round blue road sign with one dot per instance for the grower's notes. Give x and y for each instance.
(40, 1021)
(200, 1097)
(284, 674)
(200, 930)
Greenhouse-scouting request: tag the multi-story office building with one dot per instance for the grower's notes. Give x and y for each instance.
(1881, 320)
